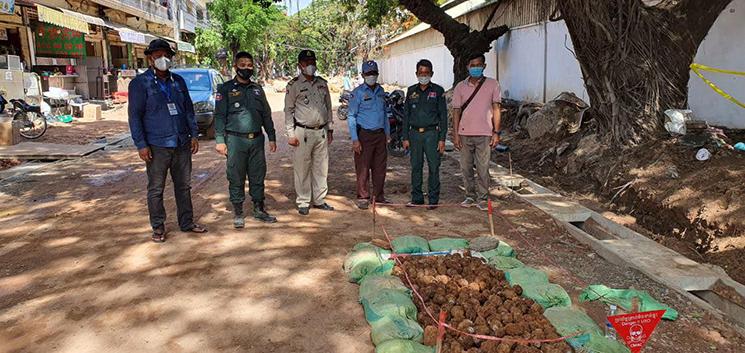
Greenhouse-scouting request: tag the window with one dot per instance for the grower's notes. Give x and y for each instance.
(197, 80)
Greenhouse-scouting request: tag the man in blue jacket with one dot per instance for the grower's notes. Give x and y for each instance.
(164, 129)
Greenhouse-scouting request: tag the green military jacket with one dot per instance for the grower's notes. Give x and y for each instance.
(426, 109)
(242, 108)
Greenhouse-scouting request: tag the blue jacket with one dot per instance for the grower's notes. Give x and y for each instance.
(150, 121)
(367, 109)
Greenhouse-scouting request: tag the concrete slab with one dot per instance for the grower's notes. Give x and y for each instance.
(40, 150)
(559, 207)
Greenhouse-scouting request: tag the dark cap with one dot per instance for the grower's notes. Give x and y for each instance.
(159, 44)
(306, 55)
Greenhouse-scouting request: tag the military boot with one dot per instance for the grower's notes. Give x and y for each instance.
(261, 214)
(238, 221)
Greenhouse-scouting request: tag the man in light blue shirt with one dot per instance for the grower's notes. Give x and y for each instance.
(370, 131)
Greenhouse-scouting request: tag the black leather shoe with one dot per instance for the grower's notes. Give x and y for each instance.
(303, 211)
(325, 207)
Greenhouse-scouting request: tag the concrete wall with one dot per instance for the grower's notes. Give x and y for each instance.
(723, 48)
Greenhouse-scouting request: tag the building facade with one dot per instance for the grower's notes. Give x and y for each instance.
(77, 45)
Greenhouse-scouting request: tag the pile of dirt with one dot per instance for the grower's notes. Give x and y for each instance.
(658, 188)
(8, 163)
(477, 299)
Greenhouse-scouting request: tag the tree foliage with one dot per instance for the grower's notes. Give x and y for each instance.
(237, 25)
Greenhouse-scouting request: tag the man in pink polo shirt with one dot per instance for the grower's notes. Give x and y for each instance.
(476, 115)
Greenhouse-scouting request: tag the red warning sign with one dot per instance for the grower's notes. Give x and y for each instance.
(636, 329)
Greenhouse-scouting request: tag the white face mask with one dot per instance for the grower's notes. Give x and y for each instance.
(424, 80)
(310, 70)
(162, 63)
(371, 80)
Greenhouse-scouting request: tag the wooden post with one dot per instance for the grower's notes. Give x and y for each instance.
(491, 217)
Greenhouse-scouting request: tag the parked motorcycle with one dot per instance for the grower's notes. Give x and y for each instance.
(33, 123)
(394, 102)
(343, 109)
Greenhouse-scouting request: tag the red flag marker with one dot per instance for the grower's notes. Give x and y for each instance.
(636, 329)
(441, 331)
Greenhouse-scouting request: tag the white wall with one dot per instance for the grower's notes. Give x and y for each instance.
(723, 48)
(399, 69)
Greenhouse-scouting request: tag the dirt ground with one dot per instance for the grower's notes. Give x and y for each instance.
(78, 272)
(659, 189)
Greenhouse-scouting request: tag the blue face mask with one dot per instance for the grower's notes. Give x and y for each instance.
(476, 71)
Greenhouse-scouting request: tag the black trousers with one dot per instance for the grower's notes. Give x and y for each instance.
(178, 162)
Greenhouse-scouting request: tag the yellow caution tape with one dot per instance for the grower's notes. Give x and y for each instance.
(697, 68)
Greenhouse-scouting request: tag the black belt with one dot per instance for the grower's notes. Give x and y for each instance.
(374, 131)
(426, 128)
(309, 127)
(248, 135)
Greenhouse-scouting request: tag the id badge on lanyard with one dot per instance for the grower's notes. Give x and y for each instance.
(167, 88)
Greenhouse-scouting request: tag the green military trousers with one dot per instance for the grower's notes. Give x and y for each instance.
(245, 159)
(423, 144)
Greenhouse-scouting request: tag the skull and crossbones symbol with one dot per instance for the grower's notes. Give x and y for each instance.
(636, 334)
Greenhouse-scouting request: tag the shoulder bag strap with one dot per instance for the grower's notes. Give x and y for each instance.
(475, 92)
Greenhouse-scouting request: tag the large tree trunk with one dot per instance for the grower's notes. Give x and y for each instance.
(635, 58)
(460, 39)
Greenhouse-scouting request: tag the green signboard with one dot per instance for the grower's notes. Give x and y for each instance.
(59, 42)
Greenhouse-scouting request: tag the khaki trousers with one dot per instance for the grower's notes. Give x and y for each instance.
(475, 152)
(311, 166)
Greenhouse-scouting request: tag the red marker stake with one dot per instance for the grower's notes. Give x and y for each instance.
(440, 331)
(491, 217)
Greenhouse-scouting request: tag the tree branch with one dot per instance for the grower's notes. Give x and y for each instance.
(491, 15)
(428, 12)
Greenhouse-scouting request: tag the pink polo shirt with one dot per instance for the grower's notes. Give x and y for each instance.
(476, 120)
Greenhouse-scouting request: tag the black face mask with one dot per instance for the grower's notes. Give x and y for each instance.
(245, 73)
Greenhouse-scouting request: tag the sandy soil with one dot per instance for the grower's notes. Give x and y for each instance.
(78, 272)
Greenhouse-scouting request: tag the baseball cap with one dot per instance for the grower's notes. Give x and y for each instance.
(369, 66)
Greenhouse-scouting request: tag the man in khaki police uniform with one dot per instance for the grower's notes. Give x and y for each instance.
(308, 119)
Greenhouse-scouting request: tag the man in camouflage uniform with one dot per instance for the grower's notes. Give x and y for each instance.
(240, 113)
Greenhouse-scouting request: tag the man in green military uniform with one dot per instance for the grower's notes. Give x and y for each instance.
(241, 111)
(424, 131)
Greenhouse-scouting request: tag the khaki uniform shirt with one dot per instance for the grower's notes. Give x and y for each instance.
(307, 103)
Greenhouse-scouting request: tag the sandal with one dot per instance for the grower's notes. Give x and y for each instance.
(159, 235)
(196, 228)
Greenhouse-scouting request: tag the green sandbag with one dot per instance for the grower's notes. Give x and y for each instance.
(503, 249)
(526, 276)
(570, 321)
(363, 259)
(395, 328)
(447, 244)
(505, 263)
(372, 284)
(388, 302)
(624, 299)
(409, 244)
(598, 343)
(403, 346)
(548, 295)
